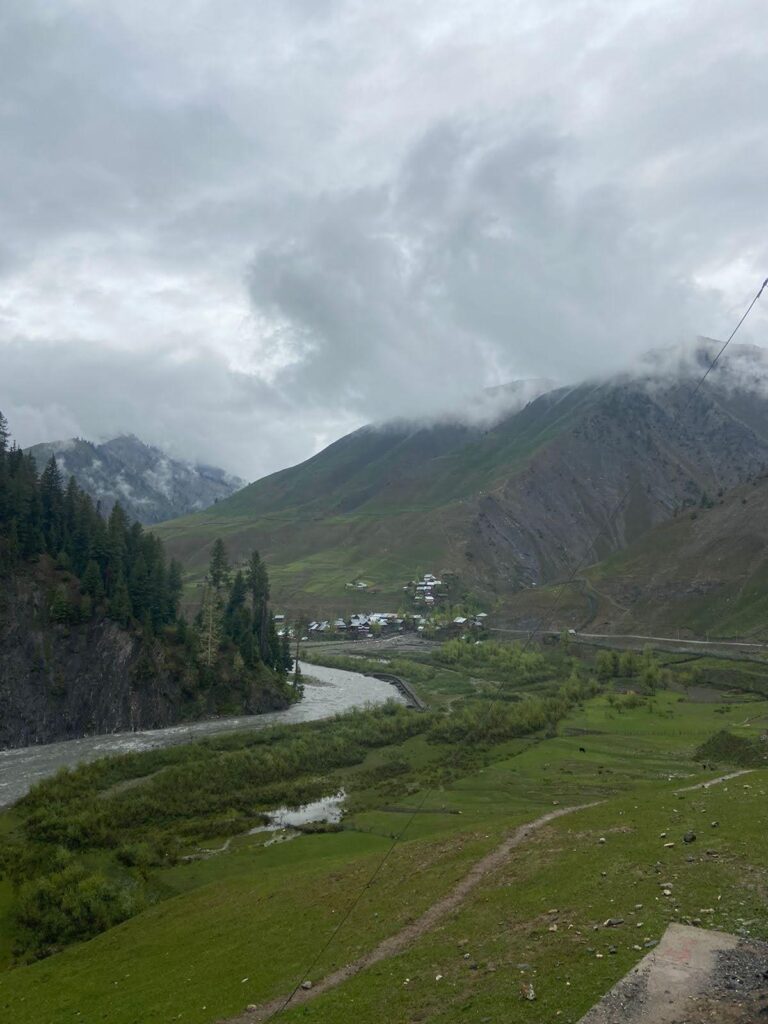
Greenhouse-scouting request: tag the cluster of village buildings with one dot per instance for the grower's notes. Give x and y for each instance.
(426, 590)
(425, 593)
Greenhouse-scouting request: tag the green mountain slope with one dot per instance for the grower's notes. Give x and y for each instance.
(504, 507)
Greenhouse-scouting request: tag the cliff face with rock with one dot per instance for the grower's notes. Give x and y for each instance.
(60, 681)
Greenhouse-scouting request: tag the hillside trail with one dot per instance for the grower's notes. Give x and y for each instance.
(717, 781)
(396, 943)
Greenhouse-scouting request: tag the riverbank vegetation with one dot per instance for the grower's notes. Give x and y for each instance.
(142, 811)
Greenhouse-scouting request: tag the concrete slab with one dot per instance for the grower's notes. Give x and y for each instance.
(693, 976)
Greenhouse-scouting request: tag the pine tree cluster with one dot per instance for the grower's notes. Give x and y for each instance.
(122, 570)
(112, 567)
(235, 608)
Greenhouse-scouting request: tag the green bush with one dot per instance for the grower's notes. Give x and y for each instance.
(70, 905)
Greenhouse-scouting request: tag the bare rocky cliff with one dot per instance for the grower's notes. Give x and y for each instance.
(627, 462)
(63, 681)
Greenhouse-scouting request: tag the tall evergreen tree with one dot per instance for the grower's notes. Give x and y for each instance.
(52, 506)
(5, 435)
(91, 581)
(218, 570)
(120, 602)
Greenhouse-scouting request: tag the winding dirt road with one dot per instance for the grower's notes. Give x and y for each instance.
(400, 940)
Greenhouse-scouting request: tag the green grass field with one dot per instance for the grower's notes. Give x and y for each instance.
(243, 925)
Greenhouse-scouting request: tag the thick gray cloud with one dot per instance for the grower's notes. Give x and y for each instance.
(240, 230)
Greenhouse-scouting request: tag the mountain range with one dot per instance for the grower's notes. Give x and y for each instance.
(580, 476)
(148, 483)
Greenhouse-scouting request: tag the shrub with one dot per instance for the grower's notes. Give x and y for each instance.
(70, 905)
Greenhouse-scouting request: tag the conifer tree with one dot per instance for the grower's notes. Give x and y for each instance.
(5, 435)
(120, 603)
(52, 506)
(91, 581)
(218, 570)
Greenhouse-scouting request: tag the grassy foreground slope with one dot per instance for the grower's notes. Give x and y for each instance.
(243, 925)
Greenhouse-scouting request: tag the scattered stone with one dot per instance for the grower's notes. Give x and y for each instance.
(601, 839)
(613, 922)
(667, 845)
(715, 824)
(612, 950)
(650, 943)
(466, 956)
(251, 1008)
(662, 835)
(527, 991)
(553, 928)
(438, 977)
(306, 985)
(689, 837)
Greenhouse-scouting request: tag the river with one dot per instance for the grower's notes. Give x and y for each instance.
(327, 691)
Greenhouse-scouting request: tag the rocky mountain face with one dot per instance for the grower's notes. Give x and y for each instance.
(149, 484)
(576, 475)
(630, 456)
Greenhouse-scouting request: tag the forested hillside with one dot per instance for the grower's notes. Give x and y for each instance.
(91, 639)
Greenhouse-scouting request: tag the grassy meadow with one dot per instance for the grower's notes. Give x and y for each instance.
(242, 925)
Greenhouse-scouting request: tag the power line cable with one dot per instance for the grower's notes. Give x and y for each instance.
(529, 640)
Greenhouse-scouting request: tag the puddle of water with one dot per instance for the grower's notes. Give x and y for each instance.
(328, 808)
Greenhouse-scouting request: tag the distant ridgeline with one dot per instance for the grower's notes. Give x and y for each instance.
(91, 639)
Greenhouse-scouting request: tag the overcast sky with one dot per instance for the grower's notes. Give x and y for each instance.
(241, 229)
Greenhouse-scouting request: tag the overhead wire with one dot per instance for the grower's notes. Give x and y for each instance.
(533, 633)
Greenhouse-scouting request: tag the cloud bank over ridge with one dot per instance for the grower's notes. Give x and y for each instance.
(240, 232)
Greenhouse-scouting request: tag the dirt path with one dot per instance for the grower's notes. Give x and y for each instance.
(400, 940)
(715, 782)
